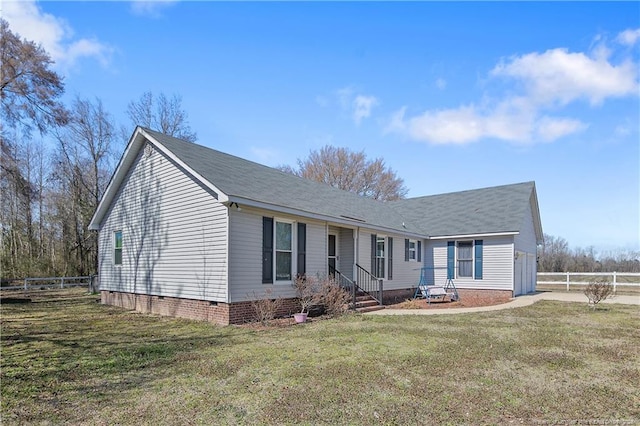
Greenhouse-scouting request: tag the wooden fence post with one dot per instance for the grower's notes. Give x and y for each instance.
(25, 283)
(567, 281)
(614, 281)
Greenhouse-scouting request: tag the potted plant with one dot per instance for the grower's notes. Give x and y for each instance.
(308, 295)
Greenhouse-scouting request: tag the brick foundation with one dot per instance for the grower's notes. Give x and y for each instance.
(500, 296)
(243, 312)
(391, 297)
(201, 310)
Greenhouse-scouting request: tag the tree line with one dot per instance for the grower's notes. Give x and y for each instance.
(555, 255)
(56, 161)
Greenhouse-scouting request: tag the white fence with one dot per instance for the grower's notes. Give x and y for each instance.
(617, 279)
(56, 282)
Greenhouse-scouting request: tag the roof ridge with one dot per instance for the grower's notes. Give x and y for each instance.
(531, 182)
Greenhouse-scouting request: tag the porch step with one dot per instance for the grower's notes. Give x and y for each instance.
(369, 309)
(367, 303)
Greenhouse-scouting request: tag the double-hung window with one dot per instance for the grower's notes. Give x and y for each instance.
(412, 250)
(380, 257)
(465, 259)
(284, 250)
(117, 248)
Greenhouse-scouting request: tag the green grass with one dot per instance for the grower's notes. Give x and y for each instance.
(67, 359)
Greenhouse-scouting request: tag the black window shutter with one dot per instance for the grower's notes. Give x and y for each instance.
(390, 257)
(267, 250)
(419, 251)
(406, 249)
(302, 249)
(374, 239)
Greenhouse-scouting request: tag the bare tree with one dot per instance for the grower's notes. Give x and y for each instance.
(29, 90)
(162, 114)
(351, 171)
(83, 170)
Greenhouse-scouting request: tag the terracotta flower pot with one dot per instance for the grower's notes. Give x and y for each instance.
(301, 317)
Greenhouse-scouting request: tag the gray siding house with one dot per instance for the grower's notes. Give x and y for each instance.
(188, 231)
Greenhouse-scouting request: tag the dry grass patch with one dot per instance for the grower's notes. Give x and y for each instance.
(67, 359)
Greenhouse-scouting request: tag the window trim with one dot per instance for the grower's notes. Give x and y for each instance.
(413, 250)
(293, 250)
(381, 259)
(116, 248)
(469, 260)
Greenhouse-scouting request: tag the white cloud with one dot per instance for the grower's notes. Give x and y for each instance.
(558, 76)
(150, 8)
(629, 37)
(545, 82)
(549, 129)
(54, 34)
(345, 96)
(513, 120)
(359, 106)
(441, 83)
(362, 106)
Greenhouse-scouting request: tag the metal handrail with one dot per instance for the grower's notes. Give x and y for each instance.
(367, 283)
(342, 280)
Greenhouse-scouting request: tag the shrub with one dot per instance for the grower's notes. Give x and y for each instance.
(308, 292)
(597, 291)
(265, 307)
(334, 298)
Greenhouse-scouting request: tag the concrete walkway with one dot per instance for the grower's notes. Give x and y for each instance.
(518, 302)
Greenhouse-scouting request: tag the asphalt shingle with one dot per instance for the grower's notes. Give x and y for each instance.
(480, 211)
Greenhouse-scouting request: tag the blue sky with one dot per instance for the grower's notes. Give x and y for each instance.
(453, 96)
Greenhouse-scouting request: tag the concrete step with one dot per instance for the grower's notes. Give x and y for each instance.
(369, 308)
(366, 303)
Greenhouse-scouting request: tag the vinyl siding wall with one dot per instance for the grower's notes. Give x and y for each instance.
(174, 235)
(346, 243)
(526, 240)
(245, 254)
(405, 274)
(526, 248)
(497, 264)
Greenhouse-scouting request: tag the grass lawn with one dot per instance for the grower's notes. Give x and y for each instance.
(67, 359)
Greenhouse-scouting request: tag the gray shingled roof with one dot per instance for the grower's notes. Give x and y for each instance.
(241, 178)
(479, 211)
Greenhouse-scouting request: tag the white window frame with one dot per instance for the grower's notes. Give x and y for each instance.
(413, 251)
(383, 258)
(471, 259)
(115, 248)
(293, 251)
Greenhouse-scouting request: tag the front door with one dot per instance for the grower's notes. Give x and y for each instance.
(332, 253)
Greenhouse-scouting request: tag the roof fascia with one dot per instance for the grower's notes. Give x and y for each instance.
(320, 217)
(461, 236)
(125, 162)
(535, 211)
(135, 144)
(222, 197)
